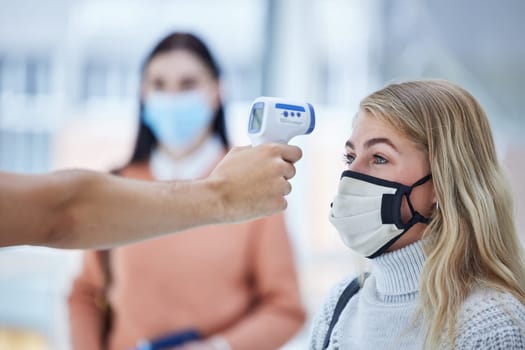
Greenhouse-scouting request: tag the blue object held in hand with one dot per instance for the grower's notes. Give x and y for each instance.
(169, 341)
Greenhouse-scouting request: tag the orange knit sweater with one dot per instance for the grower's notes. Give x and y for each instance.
(237, 281)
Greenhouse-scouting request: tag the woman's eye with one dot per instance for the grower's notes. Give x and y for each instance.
(380, 160)
(348, 158)
(158, 85)
(188, 84)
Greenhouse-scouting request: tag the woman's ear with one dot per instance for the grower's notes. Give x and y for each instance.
(435, 202)
(217, 94)
(143, 91)
(432, 196)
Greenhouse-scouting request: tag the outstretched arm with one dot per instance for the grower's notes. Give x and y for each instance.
(85, 209)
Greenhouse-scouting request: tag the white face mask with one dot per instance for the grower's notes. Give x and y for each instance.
(367, 212)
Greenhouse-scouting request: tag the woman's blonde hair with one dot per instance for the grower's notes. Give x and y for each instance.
(471, 241)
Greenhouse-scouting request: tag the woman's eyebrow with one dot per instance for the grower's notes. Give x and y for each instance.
(377, 140)
(374, 141)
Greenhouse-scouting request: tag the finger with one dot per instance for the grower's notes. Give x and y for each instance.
(283, 204)
(291, 153)
(287, 188)
(288, 171)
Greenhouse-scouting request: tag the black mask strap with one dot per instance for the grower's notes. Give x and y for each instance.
(389, 201)
(416, 216)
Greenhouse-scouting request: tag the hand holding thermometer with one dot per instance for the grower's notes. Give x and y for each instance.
(278, 120)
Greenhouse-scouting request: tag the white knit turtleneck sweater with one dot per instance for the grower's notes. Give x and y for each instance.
(381, 315)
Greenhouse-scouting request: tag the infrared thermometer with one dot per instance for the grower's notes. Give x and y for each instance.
(275, 119)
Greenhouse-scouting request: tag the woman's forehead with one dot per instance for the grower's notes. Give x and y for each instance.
(368, 125)
(176, 61)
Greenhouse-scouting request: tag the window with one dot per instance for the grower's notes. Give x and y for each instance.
(37, 76)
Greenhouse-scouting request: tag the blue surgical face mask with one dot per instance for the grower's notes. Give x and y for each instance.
(177, 120)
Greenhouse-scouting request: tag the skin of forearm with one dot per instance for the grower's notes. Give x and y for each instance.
(103, 210)
(83, 209)
(31, 208)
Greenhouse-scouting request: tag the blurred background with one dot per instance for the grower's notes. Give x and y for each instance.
(69, 82)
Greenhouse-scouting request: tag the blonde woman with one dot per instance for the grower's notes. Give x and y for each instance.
(426, 200)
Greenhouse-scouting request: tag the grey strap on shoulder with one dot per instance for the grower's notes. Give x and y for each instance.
(345, 297)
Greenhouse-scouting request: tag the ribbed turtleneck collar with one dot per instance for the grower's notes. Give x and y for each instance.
(397, 272)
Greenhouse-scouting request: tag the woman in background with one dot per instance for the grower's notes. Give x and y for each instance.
(220, 287)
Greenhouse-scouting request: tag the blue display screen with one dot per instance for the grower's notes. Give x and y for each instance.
(256, 118)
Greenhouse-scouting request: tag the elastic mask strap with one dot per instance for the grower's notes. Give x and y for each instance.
(421, 181)
(416, 216)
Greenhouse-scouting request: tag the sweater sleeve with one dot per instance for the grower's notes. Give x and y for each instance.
(491, 320)
(508, 338)
(85, 315)
(278, 312)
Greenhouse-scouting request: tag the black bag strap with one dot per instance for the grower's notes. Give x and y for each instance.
(104, 257)
(347, 294)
